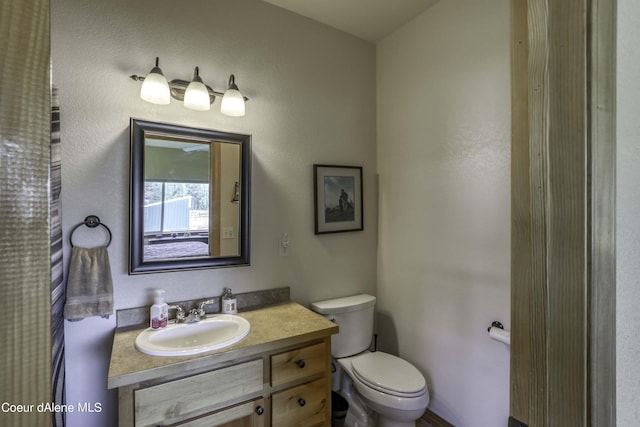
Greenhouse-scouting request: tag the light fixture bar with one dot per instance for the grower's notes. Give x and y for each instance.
(194, 94)
(178, 87)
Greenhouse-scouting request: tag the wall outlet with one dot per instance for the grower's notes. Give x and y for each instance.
(228, 233)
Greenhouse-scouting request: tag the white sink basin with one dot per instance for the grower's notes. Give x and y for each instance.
(184, 339)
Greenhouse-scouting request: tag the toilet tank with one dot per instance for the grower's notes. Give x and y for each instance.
(354, 316)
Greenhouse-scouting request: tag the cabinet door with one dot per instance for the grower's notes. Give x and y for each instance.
(248, 414)
(304, 405)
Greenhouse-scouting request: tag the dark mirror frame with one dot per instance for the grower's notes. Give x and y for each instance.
(136, 193)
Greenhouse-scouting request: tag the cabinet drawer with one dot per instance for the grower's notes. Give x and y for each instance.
(196, 393)
(248, 414)
(298, 364)
(304, 405)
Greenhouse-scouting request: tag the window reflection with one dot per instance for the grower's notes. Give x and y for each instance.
(176, 220)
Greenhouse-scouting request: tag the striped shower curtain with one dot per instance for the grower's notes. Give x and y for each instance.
(57, 282)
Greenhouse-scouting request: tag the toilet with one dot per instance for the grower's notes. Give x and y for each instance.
(378, 386)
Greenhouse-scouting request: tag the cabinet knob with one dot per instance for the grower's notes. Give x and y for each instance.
(301, 363)
(302, 402)
(259, 410)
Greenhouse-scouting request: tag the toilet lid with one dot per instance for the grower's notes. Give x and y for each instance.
(389, 374)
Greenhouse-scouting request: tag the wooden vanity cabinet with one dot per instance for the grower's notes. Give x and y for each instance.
(278, 376)
(286, 386)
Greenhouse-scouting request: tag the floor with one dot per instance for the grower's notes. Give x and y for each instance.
(430, 419)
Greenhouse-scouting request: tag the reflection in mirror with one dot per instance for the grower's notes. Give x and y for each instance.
(189, 198)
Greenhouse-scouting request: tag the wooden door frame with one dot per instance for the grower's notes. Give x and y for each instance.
(563, 213)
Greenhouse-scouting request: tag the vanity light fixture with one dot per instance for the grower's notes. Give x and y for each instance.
(195, 94)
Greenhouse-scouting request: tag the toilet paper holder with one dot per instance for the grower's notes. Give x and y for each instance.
(498, 333)
(495, 324)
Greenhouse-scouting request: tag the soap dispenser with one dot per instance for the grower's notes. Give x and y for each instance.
(159, 311)
(229, 302)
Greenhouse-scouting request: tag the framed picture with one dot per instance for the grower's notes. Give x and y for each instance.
(338, 198)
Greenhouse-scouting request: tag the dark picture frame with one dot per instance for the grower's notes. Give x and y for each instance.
(337, 198)
(140, 130)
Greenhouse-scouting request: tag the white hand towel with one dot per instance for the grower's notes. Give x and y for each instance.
(89, 284)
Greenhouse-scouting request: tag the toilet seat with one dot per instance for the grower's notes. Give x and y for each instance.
(388, 374)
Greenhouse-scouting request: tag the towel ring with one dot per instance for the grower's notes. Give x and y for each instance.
(91, 221)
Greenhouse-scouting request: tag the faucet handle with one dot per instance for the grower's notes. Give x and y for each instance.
(179, 313)
(201, 311)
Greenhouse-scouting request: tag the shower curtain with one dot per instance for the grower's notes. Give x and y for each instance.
(57, 282)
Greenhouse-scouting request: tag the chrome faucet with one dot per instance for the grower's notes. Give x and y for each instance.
(180, 317)
(195, 314)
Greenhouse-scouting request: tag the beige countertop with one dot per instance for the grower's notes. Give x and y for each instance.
(271, 327)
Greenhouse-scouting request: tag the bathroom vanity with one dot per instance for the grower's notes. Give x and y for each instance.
(279, 375)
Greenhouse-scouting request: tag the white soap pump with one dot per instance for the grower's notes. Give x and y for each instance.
(229, 302)
(159, 311)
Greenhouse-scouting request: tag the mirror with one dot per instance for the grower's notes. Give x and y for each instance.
(189, 198)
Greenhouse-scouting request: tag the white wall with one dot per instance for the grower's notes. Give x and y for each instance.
(444, 203)
(628, 221)
(312, 91)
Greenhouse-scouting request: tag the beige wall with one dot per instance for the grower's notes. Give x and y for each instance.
(312, 91)
(628, 221)
(444, 203)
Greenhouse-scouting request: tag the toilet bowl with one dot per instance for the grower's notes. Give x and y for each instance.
(390, 387)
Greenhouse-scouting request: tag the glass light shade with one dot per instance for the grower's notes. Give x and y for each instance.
(232, 103)
(196, 97)
(155, 88)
